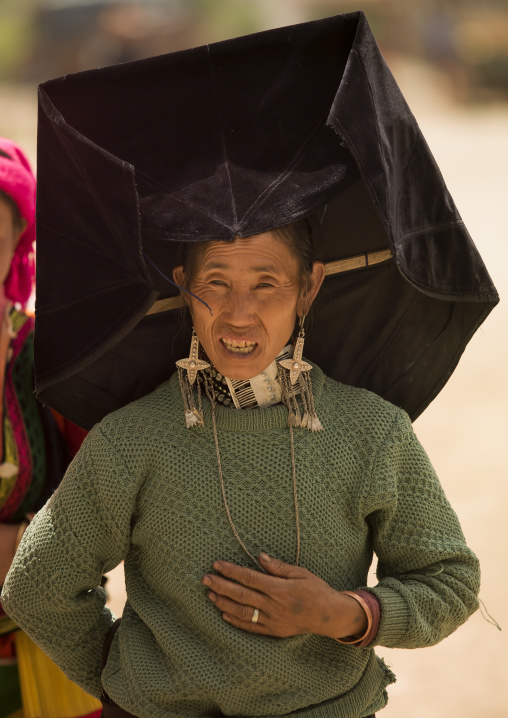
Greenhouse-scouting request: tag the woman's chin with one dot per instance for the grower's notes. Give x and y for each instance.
(240, 366)
(239, 369)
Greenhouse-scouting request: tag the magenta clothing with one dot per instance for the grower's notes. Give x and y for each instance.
(17, 180)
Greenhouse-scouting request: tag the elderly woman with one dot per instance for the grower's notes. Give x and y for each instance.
(205, 631)
(247, 491)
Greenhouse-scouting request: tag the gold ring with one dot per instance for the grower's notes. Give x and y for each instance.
(255, 616)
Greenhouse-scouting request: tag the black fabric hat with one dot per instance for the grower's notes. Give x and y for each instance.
(233, 139)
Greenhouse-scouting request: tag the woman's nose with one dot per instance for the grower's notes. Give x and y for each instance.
(239, 309)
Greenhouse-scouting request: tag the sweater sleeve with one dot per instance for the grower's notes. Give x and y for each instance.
(53, 587)
(428, 578)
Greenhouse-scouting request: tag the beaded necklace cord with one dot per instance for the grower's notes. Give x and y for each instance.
(210, 392)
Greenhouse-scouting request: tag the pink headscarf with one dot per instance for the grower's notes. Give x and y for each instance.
(17, 180)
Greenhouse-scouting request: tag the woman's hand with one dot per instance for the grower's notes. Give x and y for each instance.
(8, 538)
(291, 600)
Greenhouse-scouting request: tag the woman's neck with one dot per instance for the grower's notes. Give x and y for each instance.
(260, 391)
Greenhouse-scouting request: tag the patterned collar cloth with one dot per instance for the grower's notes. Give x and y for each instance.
(261, 391)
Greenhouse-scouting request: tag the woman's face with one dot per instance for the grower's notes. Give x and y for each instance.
(254, 291)
(9, 238)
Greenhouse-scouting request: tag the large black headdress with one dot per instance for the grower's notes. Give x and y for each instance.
(233, 139)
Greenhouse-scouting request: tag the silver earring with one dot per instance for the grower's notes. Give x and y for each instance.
(298, 370)
(193, 363)
(296, 365)
(187, 373)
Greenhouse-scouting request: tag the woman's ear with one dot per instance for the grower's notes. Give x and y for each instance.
(312, 286)
(179, 278)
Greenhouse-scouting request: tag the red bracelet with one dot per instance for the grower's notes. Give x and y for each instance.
(372, 609)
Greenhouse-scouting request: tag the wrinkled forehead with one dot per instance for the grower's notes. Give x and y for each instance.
(261, 253)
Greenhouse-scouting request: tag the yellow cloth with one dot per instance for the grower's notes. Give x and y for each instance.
(46, 692)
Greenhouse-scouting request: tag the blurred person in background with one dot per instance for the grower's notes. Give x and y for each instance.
(34, 450)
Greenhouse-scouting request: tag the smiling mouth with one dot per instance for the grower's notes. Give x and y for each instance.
(239, 347)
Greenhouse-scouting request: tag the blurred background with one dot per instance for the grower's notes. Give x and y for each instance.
(450, 58)
(466, 41)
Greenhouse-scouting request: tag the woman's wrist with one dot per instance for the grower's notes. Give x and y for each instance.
(349, 617)
(21, 530)
(8, 544)
(358, 636)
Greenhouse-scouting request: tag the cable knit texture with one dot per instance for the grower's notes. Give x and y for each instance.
(145, 489)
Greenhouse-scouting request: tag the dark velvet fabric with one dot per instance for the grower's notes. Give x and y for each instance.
(234, 139)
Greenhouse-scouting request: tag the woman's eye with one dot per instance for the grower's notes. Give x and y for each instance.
(218, 282)
(262, 285)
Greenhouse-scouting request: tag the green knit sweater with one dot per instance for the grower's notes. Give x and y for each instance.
(145, 489)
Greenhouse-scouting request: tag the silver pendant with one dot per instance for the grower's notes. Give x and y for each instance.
(296, 365)
(193, 364)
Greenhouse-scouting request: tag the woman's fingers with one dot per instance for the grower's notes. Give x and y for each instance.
(240, 616)
(278, 568)
(235, 610)
(246, 576)
(237, 592)
(256, 580)
(248, 626)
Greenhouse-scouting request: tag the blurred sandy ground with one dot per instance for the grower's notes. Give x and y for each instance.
(464, 430)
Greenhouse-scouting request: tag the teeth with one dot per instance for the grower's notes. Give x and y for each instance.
(239, 347)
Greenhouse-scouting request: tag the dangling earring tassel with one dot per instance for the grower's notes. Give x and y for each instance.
(298, 370)
(310, 419)
(187, 373)
(288, 397)
(193, 416)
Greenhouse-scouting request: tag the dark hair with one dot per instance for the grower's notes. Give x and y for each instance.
(297, 237)
(17, 219)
